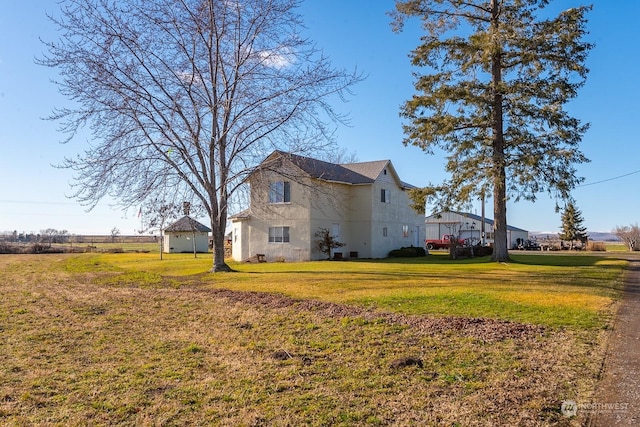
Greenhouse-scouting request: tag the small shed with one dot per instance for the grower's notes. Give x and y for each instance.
(182, 235)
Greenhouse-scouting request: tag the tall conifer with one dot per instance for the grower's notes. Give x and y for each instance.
(497, 74)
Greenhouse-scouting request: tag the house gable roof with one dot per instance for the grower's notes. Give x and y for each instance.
(374, 169)
(240, 216)
(370, 170)
(346, 173)
(319, 169)
(187, 224)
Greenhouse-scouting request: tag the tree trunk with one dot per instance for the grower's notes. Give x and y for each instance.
(217, 227)
(500, 246)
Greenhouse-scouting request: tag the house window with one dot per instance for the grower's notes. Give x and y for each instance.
(385, 196)
(278, 234)
(280, 192)
(405, 231)
(384, 231)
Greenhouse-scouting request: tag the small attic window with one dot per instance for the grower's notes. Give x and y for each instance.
(384, 171)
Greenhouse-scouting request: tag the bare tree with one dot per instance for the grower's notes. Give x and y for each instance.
(48, 235)
(630, 235)
(184, 97)
(115, 232)
(63, 236)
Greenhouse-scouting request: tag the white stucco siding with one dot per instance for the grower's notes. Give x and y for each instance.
(360, 231)
(414, 220)
(330, 209)
(359, 239)
(328, 201)
(394, 223)
(360, 203)
(240, 239)
(294, 214)
(183, 242)
(254, 239)
(296, 249)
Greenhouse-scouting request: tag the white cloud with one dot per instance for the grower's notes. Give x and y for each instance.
(280, 58)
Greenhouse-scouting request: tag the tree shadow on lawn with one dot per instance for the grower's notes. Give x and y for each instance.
(565, 260)
(551, 260)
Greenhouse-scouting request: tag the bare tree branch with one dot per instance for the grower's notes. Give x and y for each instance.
(187, 96)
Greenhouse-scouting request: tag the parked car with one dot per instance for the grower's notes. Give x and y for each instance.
(443, 243)
(528, 245)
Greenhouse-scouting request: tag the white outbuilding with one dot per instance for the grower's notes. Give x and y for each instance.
(186, 235)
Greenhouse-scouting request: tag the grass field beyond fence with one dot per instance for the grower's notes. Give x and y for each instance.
(122, 339)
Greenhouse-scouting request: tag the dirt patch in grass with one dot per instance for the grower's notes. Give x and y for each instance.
(484, 329)
(73, 352)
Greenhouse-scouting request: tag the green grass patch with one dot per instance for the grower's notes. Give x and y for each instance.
(89, 264)
(616, 247)
(553, 290)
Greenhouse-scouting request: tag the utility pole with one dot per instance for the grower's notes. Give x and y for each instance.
(482, 237)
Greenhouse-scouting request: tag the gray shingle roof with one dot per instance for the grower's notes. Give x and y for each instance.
(241, 215)
(187, 224)
(320, 169)
(347, 173)
(369, 169)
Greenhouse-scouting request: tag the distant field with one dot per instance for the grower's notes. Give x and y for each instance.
(125, 247)
(616, 247)
(128, 339)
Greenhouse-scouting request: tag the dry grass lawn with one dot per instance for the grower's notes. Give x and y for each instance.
(86, 341)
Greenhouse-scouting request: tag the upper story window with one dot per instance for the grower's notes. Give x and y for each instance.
(385, 196)
(280, 192)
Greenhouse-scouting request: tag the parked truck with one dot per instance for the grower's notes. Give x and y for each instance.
(442, 243)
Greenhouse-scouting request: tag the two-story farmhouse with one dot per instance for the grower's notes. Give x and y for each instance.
(364, 205)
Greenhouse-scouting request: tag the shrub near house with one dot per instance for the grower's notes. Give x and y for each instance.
(409, 252)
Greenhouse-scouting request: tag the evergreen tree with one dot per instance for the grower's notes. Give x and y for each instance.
(499, 74)
(572, 228)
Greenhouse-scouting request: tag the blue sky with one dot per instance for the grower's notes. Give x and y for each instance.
(353, 33)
